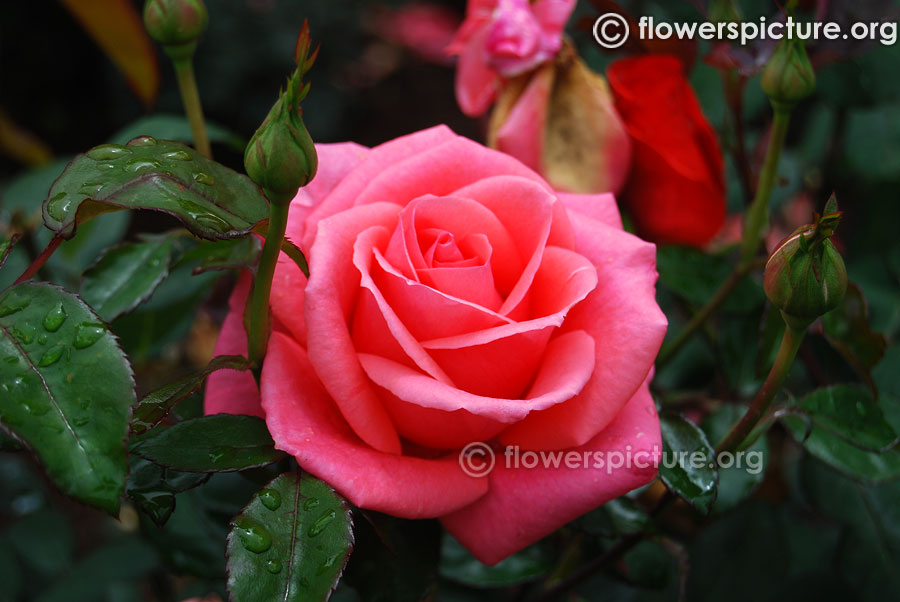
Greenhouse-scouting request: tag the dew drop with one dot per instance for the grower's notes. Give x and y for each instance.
(204, 178)
(90, 189)
(51, 356)
(310, 503)
(253, 536)
(273, 566)
(322, 522)
(55, 318)
(81, 421)
(87, 334)
(58, 206)
(105, 166)
(203, 217)
(24, 333)
(270, 498)
(141, 164)
(216, 454)
(36, 408)
(42, 339)
(177, 155)
(329, 562)
(12, 304)
(108, 152)
(143, 141)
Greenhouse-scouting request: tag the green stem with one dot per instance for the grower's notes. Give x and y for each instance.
(738, 274)
(190, 96)
(262, 287)
(758, 215)
(790, 343)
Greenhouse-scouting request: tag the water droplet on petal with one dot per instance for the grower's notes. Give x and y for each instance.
(254, 537)
(51, 356)
(58, 206)
(270, 498)
(87, 334)
(143, 141)
(12, 304)
(322, 522)
(55, 318)
(141, 164)
(204, 178)
(177, 155)
(273, 566)
(108, 152)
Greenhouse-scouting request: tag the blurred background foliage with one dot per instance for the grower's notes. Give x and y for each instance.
(807, 532)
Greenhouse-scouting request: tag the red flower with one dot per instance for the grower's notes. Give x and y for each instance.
(676, 190)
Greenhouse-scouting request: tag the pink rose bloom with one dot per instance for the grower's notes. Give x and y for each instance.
(454, 297)
(424, 28)
(502, 39)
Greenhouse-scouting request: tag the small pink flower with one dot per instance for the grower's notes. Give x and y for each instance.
(501, 39)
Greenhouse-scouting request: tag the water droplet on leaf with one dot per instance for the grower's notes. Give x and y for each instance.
(24, 333)
(81, 421)
(58, 206)
(55, 318)
(90, 189)
(203, 217)
(141, 164)
(254, 537)
(87, 334)
(108, 152)
(273, 566)
(216, 454)
(143, 141)
(51, 356)
(310, 503)
(322, 522)
(178, 155)
(270, 498)
(12, 304)
(204, 178)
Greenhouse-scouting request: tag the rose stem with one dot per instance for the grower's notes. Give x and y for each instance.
(790, 343)
(756, 220)
(190, 96)
(259, 308)
(41, 259)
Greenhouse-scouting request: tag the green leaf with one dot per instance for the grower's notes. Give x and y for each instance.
(290, 543)
(457, 564)
(176, 127)
(224, 255)
(743, 476)
(125, 276)
(67, 390)
(211, 200)
(688, 466)
(620, 516)
(154, 408)
(847, 330)
(153, 487)
(843, 414)
(44, 541)
(6, 246)
(394, 560)
(219, 443)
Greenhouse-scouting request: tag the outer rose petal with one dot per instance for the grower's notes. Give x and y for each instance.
(304, 422)
(521, 134)
(601, 207)
(476, 83)
(230, 391)
(523, 505)
(623, 318)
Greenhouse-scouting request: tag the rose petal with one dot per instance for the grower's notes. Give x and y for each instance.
(304, 422)
(524, 505)
(230, 391)
(522, 132)
(331, 293)
(622, 316)
(418, 404)
(601, 207)
(476, 82)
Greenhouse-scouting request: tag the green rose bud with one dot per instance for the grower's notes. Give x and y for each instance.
(281, 156)
(176, 24)
(788, 77)
(805, 276)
